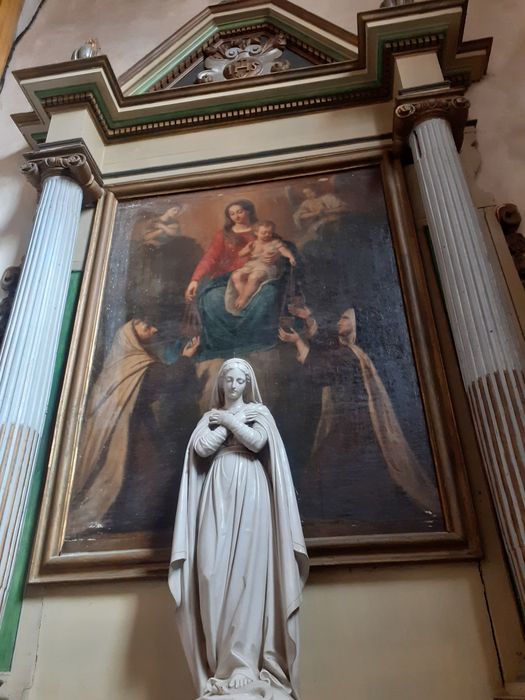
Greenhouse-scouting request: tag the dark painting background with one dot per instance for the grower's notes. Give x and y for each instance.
(348, 261)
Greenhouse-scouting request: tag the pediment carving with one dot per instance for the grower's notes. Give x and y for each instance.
(242, 39)
(243, 53)
(244, 56)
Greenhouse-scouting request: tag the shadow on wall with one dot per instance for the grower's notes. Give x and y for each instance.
(418, 631)
(409, 631)
(115, 639)
(17, 210)
(156, 663)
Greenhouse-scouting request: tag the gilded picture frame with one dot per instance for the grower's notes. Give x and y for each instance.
(61, 555)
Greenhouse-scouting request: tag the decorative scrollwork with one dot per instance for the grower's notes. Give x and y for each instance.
(244, 57)
(72, 165)
(408, 114)
(242, 68)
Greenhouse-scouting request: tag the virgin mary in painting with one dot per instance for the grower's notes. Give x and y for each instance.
(255, 327)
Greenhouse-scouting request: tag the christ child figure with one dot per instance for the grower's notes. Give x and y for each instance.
(264, 255)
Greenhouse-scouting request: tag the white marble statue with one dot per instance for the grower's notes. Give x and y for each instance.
(239, 561)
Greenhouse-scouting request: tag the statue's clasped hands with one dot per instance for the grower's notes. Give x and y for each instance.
(220, 417)
(225, 418)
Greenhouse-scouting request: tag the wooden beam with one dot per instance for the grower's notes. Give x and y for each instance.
(9, 14)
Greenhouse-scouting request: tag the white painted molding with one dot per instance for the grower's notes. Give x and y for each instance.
(488, 338)
(27, 356)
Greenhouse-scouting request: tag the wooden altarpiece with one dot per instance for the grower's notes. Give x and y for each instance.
(264, 104)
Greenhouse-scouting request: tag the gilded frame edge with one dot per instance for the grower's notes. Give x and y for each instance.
(459, 542)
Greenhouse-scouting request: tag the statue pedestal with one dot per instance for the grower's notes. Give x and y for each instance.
(258, 690)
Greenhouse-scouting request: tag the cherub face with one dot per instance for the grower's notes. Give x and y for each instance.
(234, 383)
(264, 233)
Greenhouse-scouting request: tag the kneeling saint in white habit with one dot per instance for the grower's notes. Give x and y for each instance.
(239, 562)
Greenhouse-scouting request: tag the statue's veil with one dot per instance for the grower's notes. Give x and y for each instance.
(251, 393)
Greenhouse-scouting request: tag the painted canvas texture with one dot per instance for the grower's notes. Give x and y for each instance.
(297, 276)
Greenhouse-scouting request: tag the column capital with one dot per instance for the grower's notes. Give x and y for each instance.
(409, 113)
(70, 159)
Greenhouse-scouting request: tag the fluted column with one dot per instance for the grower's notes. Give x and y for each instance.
(488, 339)
(27, 355)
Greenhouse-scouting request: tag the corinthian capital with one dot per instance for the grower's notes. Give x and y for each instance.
(407, 115)
(71, 160)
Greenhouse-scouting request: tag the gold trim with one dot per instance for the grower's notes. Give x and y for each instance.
(48, 541)
(427, 354)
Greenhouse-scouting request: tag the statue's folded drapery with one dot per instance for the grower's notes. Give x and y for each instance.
(239, 562)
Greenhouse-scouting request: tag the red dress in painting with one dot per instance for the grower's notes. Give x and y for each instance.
(222, 255)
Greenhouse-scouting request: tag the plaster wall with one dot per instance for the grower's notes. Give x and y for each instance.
(402, 632)
(405, 632)
(498, 101)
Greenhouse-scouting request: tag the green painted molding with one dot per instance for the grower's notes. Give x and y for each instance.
(180, 113)
(196, 42)
(11, 617)
(361, 74)
(369, 83)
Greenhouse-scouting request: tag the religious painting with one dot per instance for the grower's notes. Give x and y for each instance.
(301, 277)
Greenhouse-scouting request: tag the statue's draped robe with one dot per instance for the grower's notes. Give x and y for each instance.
(239, 563)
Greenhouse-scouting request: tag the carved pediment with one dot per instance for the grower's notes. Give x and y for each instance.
(246, 55)
(253, 59)
(241, 39)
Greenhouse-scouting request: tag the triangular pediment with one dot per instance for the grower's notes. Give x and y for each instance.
(236, 40)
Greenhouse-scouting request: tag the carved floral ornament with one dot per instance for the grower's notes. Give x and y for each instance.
(409, 114)
(244, 57)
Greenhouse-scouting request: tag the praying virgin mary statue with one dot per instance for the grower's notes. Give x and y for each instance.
(239, 561)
